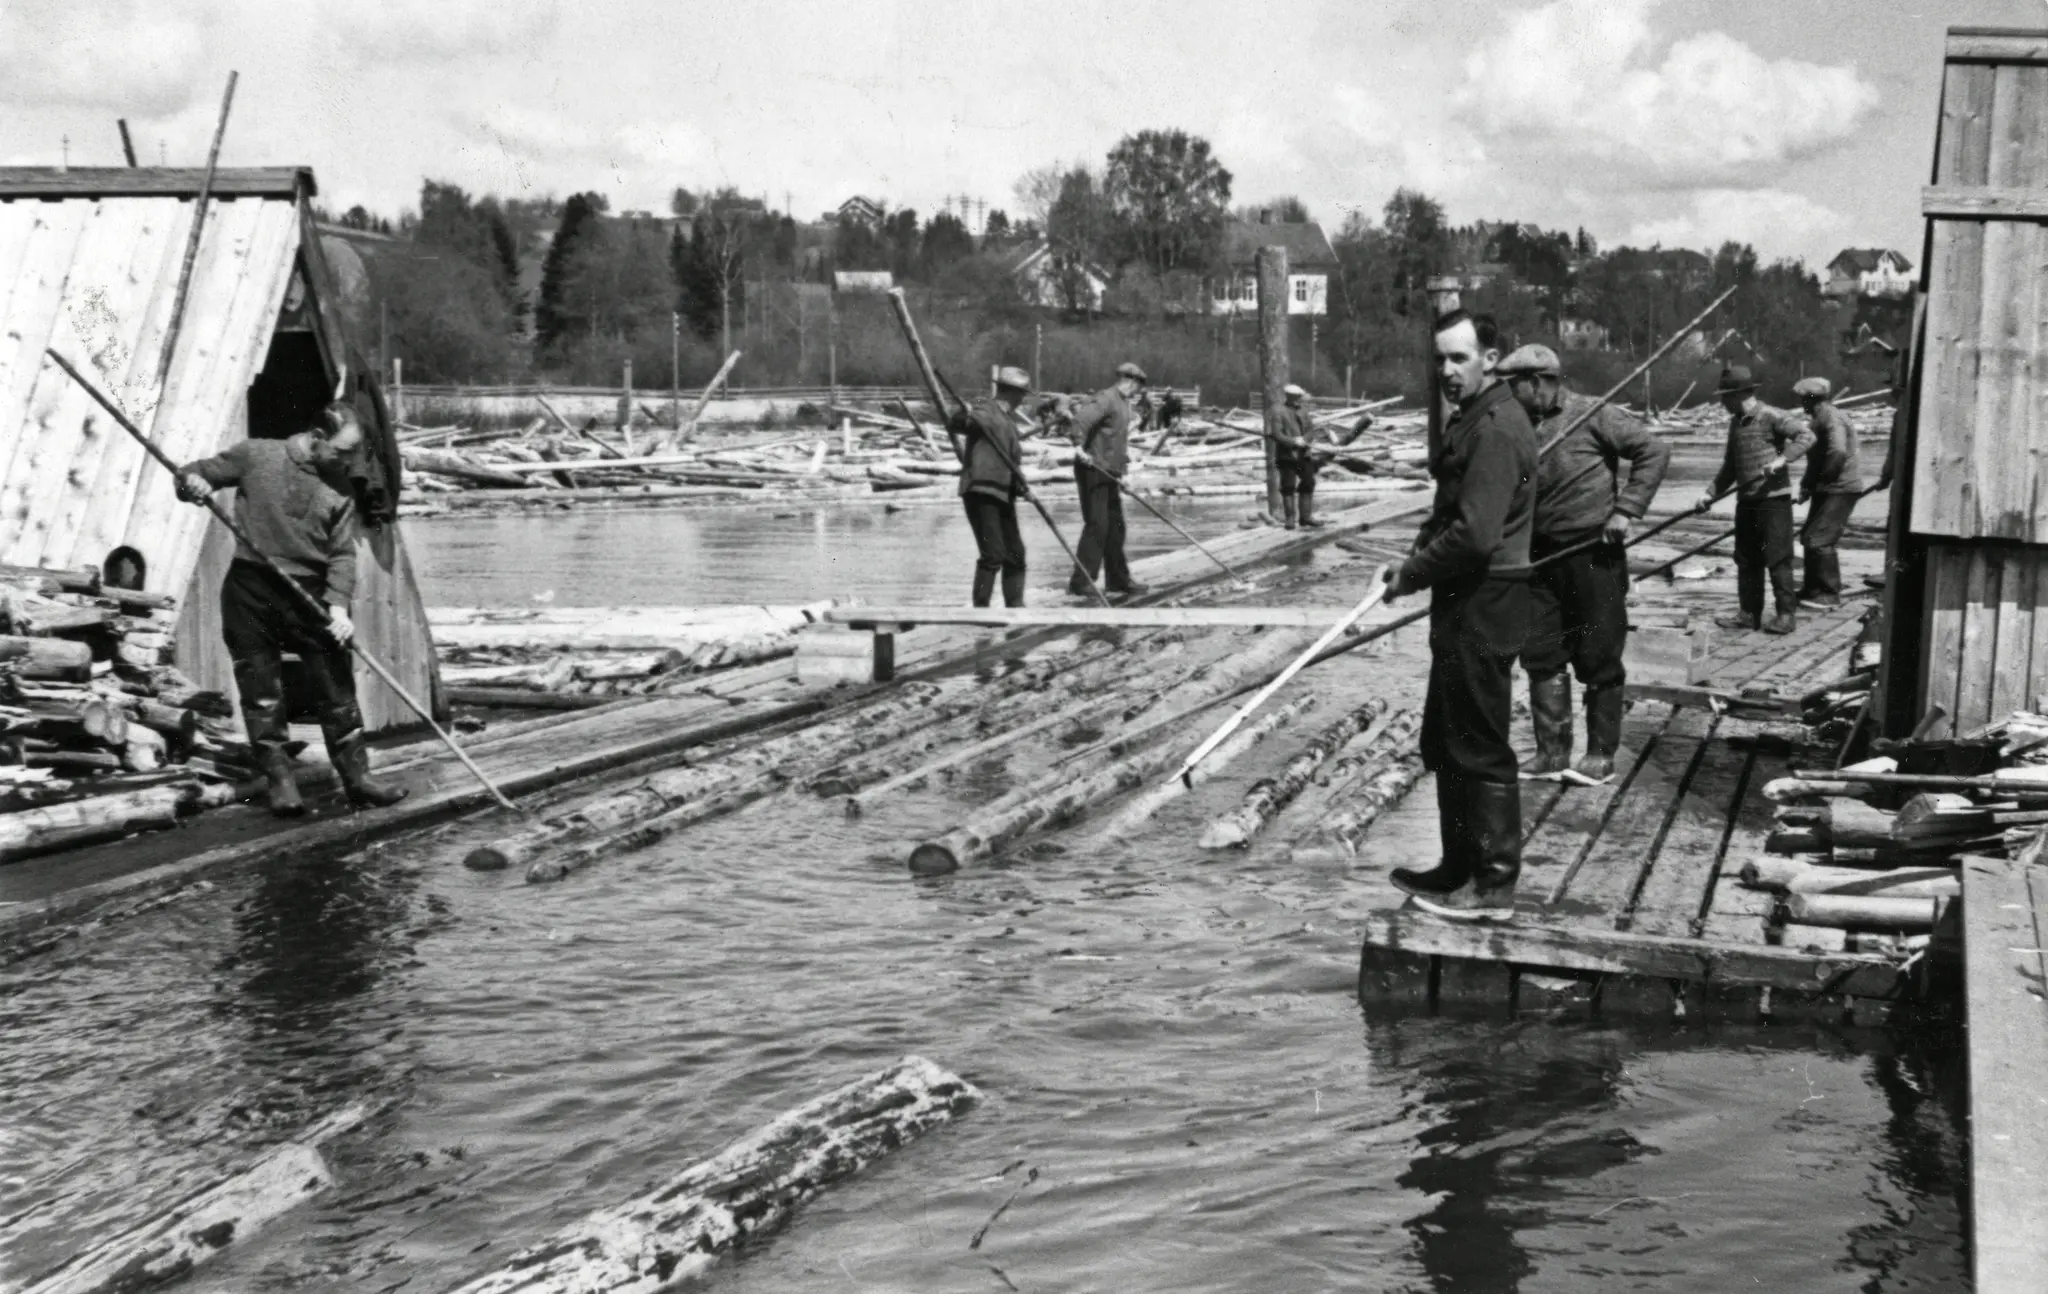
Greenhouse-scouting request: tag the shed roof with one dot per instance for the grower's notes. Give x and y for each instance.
(1307, 247)
(91, 271)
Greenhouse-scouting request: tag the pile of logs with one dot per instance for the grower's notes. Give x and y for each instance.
(100, 734)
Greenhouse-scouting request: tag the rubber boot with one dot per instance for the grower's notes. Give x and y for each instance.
(1603, 733)
(1308, 507)
(262, 686)
(984, 585)
(1455, 868)
(1287, 509)
(332, 678)
(1013, 588)
(1823, 589)
(1550, 711)
(1787, 617)
(1742, 621)
(1494, 812)
(351, 756)
(1749, 598)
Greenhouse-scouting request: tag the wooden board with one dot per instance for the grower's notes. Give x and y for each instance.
(2005, 923)
(1603, 893)
(1674, 896)
(152, 181)
(1736, 914)
(1124, 617)
(1556, 847)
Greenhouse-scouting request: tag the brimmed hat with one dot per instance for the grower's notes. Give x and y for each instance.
(1128, 369)
(1536, 361)
(1735, 380)
(1014, 378)
(1293, 392)
(1813, 388)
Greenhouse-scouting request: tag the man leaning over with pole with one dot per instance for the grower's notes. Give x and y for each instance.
(1833, 482)
(1472, 553)
(1578, 598)
(1762, 444)
(991, 484)
(305, 523)
(1102, 430)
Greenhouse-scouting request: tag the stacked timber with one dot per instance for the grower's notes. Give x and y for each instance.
(100, 735)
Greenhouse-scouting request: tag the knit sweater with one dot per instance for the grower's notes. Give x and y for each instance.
(1832, 466)
(992, 445)
(294, 517)
(1579, 482)
(1102, 429)
(1755, 437)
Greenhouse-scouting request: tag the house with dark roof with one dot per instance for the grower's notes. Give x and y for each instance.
(860, 210)
(1310, 263)
(1054, 281)
(1869, 272)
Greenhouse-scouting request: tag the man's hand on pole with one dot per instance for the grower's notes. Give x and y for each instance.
(1616, 529)
(1706, 500)
(1397, 584)
(192, 488)
(339, 625)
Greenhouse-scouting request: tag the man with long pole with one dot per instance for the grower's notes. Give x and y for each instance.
(1102, 429)
(1472, 553)
(1763, 443)
(990, 486)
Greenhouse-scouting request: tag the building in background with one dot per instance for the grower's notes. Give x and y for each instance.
(1310, 263)
(1869, 272)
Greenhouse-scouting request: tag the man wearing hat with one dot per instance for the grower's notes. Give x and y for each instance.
(1578, 602)
(1101, 429)
(1762, 443)
(1833, 482)
(1294, 434)
(990, 486)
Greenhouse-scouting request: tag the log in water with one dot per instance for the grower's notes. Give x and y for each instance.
(1270, 795)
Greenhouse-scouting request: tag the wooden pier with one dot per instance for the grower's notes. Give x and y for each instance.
(1630, 899)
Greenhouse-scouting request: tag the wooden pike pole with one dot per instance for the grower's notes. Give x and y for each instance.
(689, 428)
(1636, 372)
(220, 128)
(1301, 662)
(221, 514)
(1146, 504)
(932, 382)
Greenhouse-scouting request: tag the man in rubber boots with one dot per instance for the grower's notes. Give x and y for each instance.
(1833, 482)
(1578, 604)
(990, 486)
(1762, 443)
(288, 503)
(1473, 555)
(1294, 434)
(1101, 429)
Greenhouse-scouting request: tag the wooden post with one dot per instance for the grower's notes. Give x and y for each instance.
(1347, 384)
(127, 144)
(1037, 355)
(1312, 347)
(1443, 298)
(1272, 263)
(397, 390)
(384, 335)
(675, 369)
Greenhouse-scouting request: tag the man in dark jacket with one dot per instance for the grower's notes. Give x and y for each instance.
(1101, 429)
(1833, 482)
(1762, 444)
(1293, 434)
(1579, 602)
(288, 503)
(990, 485)
(1473, 554)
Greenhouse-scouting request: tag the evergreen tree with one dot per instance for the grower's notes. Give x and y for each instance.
(548, 314)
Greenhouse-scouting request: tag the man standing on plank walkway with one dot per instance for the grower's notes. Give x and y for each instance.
(1762, 443)
(1834, 482)
(1578, 604)
(990, 486)
(1473, 554)
(1102, 429)
(295, 506)
(1294, 454)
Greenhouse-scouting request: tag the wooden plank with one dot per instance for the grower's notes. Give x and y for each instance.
(1822, 639)
(1124, 617)
(2004, 977)
(1675, 894)
(1955, 202)
(2037, 669)
(1735, 914)
(1566, 834)
(1948, 568)
(1980, 639)
(31, 318)
(1996, 45)
(85, 182)
(1628, 952)
(1603, 892)
(2012, 655)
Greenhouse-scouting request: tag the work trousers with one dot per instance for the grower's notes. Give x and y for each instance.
(1763, 547)
(999, 547)
(1297, 476)
(261, 620)
(1826, 518)
(1477, 627)
(1101, 551)
(1578, 612)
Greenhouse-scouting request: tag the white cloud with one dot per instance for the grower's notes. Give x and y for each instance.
(120, 57)
(442, 29)
(1776, 222)
(1577, 80)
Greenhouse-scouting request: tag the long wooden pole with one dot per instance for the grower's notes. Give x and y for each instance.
(127, 144)
(689, 429)
(1146, 504)
(221, 514)
(163, 365)
(1639, 370)
(1695, 550)
(1301, 662)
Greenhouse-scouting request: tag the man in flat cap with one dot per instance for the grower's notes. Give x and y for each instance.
(991, 484)
(1294, 433)
(1101, 430)
(1472, 553)
(1578, 602)
(1833, 482)
(1762, 444)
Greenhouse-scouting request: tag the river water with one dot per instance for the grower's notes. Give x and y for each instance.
(1183, 1092)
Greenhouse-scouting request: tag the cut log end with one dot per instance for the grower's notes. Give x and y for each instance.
(932, 858)
(487, 858)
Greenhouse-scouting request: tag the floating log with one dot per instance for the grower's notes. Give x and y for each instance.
(635, 665)
(858, 804)
(1269, 796)
(680, 1228)
(1860, 912)
(1805, 875)
(198, 1227)
(1394, 772)
(47, 657)
(521, 698)
(460, 468)
(1148, 802)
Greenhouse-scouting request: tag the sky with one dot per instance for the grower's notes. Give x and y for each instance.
(1798, 126)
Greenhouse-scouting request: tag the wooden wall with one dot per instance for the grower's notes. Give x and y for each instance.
(1985, 650)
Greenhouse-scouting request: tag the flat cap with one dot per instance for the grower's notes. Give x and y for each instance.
(1817, 388)
(1014, 378)
(1536, 361)
(1128, 369)
(1293, 392)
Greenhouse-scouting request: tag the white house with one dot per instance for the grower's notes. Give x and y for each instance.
(1310, 262)
(1055, 282)
(1869, 272)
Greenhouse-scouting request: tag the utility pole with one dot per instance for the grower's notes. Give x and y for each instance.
(1037, 354)
(675, 368)
(1272, 265)
(1443, 298)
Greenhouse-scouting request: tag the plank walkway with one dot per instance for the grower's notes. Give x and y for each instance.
(1629, 898)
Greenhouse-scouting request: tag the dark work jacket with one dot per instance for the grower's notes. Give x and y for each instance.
(1293, 424)
(290, 508)
(1831, 465)
(1485, 506)
(1102, 428)
(1578, 482)
(991, 437)
(1754, 439)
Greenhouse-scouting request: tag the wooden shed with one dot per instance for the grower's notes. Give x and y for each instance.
(90, 261)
